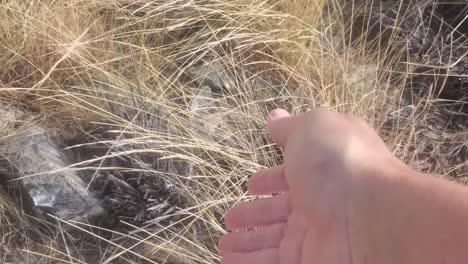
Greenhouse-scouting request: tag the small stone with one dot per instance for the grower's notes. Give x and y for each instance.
(215, 76)
(204, 110)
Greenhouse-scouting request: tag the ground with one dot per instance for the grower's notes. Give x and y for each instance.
(159, 107)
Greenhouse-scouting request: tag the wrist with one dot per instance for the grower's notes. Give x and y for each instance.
(377, 228)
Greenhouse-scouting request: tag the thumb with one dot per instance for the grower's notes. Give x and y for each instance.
(280, 126)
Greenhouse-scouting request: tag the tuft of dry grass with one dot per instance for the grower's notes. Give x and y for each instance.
(118, 82)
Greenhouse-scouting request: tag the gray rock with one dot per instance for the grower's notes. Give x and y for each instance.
(223, 80)
(205, 111)
(49, 186)
(213, 75)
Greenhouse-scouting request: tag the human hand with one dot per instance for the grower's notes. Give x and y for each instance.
(326, 182)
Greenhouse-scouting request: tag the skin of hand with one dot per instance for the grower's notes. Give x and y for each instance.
(341, 197)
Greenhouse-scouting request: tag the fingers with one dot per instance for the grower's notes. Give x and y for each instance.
(293, 239)
(265, 256)
(268, 181)
(245, 242)
(281, 125)
(258, 213)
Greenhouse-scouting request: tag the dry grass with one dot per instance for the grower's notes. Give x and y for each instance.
(112, 79)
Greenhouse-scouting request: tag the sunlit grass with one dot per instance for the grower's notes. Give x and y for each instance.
(121, 66)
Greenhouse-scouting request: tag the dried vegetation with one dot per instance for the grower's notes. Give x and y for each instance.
(162, 105)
